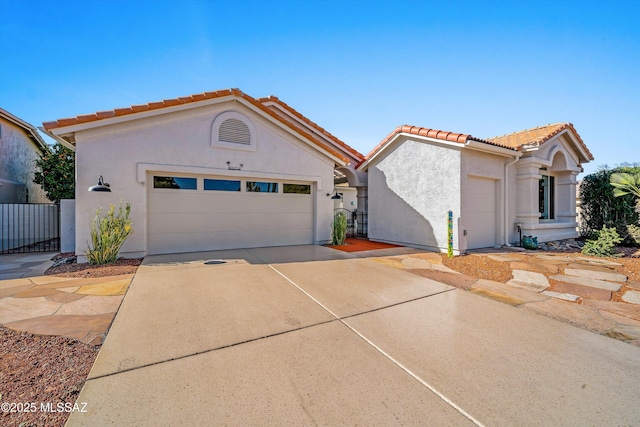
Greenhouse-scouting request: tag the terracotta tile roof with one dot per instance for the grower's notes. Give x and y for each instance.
(538, 136)
(459, 138)
(119, 112)
(314, 125)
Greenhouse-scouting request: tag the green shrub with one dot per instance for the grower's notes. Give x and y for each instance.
(605, 243)
(108, 234)
(634, 234)
(600, 208)
(339, 229)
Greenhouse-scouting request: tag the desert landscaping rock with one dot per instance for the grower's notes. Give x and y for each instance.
(598, 275)
(633, 284)
(632, 297)
(601, 284)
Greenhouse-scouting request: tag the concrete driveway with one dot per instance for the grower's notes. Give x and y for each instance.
(308, 335)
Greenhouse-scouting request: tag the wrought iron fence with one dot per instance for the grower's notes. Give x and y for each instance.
(33, 227)
(356, 222)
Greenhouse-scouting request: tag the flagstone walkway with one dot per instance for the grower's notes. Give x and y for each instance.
(585, 280)
(75, 308)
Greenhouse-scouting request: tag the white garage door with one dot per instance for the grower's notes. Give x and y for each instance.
(481, 213)
(191, 214)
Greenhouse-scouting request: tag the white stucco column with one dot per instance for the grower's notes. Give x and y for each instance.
(527, 182)
(566, 196)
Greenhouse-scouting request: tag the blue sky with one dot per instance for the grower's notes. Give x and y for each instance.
(357, 68)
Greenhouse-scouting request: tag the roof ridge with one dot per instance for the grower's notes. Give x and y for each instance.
(171, 102)
(311, 123)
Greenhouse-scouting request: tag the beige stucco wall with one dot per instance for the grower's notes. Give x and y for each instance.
(479, 164)
(410, 191)
(178, 142)
(17, 156)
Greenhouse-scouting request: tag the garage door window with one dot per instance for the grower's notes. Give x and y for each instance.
(221, 185)
(262, 187)
(296, 188)
(175, 183)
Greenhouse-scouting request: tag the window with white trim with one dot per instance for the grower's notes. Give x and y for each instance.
(546, 195)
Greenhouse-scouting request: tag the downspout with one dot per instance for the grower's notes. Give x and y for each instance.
(506, 199)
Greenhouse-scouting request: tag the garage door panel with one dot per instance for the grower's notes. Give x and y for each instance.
(481, 213)
(185, 220)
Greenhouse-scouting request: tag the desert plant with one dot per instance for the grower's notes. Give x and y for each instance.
(108, 234)
(600, 208)
(339, 229)
(604, 245)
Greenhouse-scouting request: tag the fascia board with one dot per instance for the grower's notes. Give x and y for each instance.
(493, 149)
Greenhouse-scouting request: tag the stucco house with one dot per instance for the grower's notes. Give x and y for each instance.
(224, 170)
(217, 170)
(20, 147)
(527, 178)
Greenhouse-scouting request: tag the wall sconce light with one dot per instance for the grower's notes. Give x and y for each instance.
(336, 196)
(102, 186)
(234, 168)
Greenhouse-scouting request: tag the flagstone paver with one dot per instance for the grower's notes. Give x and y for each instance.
(562, 295)
(584, 281)
(583, 291)
(529, 280)
(80, 308)
(117, 287)
(90, 305)
(83, 328)
(633, 284)
(536, 267)
(595, 261)
(585, 266)
(7, 292)
(632, 296)
(13, 309)
(578, 315)
(598, 275)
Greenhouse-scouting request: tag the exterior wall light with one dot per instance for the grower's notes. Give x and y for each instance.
(102, 186)
(336, 196)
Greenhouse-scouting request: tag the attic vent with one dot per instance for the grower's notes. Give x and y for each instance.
(234, 130)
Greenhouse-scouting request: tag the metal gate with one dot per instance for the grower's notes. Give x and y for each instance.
(32, 227)
(356, 222)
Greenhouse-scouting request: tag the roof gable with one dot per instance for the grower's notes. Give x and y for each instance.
(539, 135)
(460, 139)
(275, 103)
(66, 126)
(29, 129)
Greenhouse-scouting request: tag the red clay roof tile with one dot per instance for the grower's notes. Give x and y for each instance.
(538, 136)
(201, 97)
(460, 138)
(292, 111)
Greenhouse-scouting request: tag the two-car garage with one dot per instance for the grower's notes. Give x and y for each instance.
(201, 213)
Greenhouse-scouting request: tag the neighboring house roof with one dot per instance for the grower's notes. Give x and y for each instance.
(29, 129)
(274, 100)
(538, 136)
(451, 137)
(56, 127)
